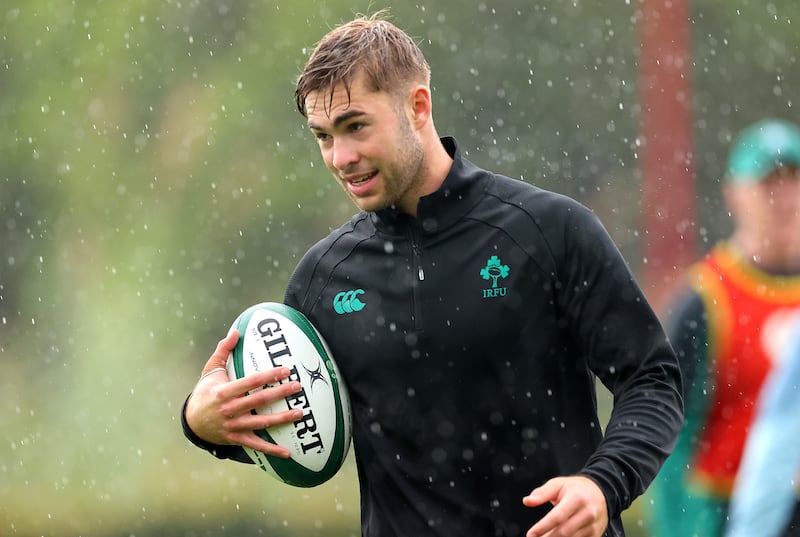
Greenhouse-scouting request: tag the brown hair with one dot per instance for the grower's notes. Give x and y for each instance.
(386, 55)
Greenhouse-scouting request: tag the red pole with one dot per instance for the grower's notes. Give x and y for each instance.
(667, 158)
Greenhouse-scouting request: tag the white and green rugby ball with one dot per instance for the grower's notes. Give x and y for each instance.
(275, 335)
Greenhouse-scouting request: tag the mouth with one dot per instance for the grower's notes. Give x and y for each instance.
(361, 179)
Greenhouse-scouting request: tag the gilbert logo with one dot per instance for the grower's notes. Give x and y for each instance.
(274, 340)
(494, 270)
(348, 301)
(315, 375)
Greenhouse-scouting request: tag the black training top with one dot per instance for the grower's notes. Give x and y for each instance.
(469, 339)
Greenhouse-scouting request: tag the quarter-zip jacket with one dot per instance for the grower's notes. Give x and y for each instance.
(469, 338)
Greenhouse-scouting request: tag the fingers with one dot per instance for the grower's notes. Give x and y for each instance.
(223, 416)
(218, 362)
(221, 411)
(564, 519)
(252, 441)
(252, 422)
(243, 404)
(257, 380)
(547, 493)
(539, 496)
(579, 508)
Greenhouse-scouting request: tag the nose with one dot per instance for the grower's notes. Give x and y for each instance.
(343, 154)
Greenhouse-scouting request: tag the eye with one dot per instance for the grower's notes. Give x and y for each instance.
(355, 126)
(322, 136)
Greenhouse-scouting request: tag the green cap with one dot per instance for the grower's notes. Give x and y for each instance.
(761, 148)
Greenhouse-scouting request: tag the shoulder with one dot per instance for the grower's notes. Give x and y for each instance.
(554, 216)
(344, 238)
(502, 198)
(319, 261)
(560, 235)
(532, 199)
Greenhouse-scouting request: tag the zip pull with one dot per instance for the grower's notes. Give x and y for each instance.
(418, 256)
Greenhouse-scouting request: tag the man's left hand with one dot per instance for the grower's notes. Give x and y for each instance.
(579, 508)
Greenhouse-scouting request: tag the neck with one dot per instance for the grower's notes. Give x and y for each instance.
(767, 255)
(440, 164)
(436, 166)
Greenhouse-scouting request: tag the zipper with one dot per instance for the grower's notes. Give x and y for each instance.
(418, 276)
(418, 261)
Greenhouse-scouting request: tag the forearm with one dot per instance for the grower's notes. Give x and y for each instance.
(638, 439)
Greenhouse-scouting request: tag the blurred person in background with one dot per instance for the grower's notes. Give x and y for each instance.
(746, 288)
(474, 409)
(765, 499)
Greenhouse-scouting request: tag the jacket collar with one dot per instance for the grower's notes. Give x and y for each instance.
(460, 191)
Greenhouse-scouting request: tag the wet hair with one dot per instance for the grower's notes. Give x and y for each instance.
(370, 45)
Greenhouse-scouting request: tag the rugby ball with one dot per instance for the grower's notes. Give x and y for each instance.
(274, 335)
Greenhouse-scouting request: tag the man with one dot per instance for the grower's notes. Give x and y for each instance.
(490, 306)
(724, 326)
(765, 499)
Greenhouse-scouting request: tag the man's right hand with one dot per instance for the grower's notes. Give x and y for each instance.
(219, 410)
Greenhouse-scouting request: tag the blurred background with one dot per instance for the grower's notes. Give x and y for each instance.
(155, 180)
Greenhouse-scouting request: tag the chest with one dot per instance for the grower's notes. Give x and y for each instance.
(465, 303)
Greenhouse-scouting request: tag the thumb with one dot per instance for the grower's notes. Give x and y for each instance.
(541, 495)
(220, 357)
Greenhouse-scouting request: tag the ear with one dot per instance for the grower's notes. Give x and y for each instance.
(420, 102)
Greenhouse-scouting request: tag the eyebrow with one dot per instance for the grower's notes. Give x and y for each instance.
(350, 114)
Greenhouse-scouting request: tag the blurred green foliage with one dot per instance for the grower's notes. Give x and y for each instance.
(156, 180)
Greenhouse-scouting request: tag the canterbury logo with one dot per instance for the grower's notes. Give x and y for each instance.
(348, 301)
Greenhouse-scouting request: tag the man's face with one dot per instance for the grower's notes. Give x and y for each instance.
(770, 209)
(370, 146)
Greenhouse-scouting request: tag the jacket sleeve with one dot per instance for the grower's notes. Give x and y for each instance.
(624, 344)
